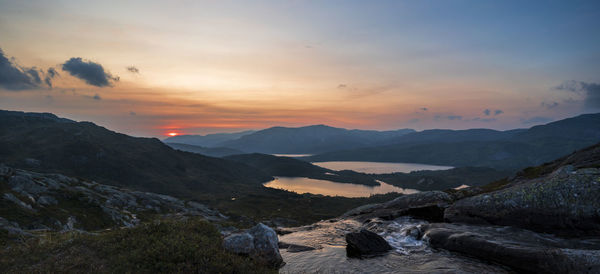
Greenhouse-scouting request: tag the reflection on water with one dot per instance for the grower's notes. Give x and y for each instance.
(324, 187)
(292, 155)
(378, 167)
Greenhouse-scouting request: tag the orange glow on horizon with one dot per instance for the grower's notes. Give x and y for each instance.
(172, 134)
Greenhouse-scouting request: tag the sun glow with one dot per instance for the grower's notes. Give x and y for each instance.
(172, 134)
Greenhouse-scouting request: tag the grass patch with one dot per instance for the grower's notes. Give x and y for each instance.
(167, 246)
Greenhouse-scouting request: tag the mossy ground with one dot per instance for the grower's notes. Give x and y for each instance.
(167, 246)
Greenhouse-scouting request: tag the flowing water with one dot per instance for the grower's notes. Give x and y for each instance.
(409, 255)
(329, 188)
(378, 167)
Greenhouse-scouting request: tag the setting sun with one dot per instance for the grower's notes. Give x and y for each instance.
(172, 134)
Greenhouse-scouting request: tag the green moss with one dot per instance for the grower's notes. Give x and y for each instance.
(165, 246)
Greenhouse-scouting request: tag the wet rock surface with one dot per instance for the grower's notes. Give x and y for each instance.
(519, 249)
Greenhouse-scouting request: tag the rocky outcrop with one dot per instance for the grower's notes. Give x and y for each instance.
(429, 205)
(365, 244)
(260, 243)
(519, 249)
(564, 202)
(66, 203)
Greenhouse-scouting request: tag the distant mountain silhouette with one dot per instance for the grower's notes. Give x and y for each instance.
(210, 140)
(310, 139)
(208, 151)
(46, 143)
(512, 149)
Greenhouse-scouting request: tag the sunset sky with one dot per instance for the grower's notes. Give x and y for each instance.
(148, 68)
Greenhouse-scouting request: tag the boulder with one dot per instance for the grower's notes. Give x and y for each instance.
(266, 249)
(564, 202)
(522, 250)
(239, 243)
(365, 244)
(260, 243)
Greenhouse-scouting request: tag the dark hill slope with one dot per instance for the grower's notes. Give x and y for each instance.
(208, 151)
(511, 150)
(46, 143)
(310, 139)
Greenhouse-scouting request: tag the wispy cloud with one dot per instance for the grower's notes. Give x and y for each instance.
(590, 91)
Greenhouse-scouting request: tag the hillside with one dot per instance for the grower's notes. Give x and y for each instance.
(208, 151)
(290, 167)
(46, 143)
(310, 139)
(209, 140)
(511, 150)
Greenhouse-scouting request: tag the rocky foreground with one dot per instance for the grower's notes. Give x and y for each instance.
(33, 201)
(546, 219)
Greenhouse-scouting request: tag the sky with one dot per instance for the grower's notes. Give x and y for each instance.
(149, 68)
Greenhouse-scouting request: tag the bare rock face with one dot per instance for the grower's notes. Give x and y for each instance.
(428, 205)
(259, 242)
(520, 249)
(365, 244)
(564, 202)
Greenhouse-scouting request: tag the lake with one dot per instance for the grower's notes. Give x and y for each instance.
(306, 185)
(292, 155)
(378, 167)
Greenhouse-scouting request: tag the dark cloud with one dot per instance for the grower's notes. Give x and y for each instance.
(591, 91)
(536, 120)
(488, 112)
(50, 74)
(132, 113)
(454, 117)
(486, 120)
(90, 72)
(96, 97)
(424, 109)
(14, 77)
(133, 69)
(549, 105)
(342, 86)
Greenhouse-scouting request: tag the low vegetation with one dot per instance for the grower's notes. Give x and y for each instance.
(191, 245)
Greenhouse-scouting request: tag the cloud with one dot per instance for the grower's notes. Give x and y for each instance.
(50, 74)
(488, 112)
(549, 105)
(14, 77)
(95, 97)
(454, 117)
(536, 120)
(486, 120)
(133, 69)
(90, 72)
(424, 109)
(342, 86)
(132, 113)
(591, 91)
